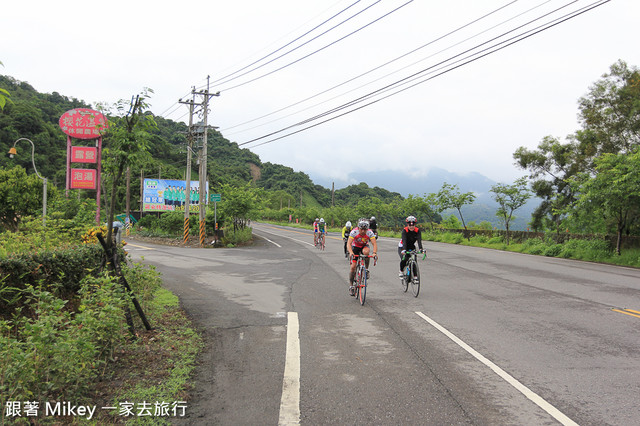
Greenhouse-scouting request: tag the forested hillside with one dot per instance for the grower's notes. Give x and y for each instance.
(33, 115)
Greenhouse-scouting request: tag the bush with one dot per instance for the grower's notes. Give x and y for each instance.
(498, 239)
(56, 354)
(553, 250)
(233, 238)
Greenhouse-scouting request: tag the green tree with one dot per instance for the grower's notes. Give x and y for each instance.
(21, 196)
(510, 198)
(450, 197)
(4, 95)
(610, 120)
(240, 203)
(126, 144)
(613, 192)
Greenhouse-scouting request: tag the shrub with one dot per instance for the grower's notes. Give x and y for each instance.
(498, 239)
(553, 250)
(56, 354)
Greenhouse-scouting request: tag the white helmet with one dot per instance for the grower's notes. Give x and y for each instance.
(348, 224)
(363, 224)
(373, 218)
(321, 220)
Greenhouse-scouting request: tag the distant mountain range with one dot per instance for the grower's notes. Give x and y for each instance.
(484, 207)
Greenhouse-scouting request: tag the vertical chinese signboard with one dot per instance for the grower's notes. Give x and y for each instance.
(87, 125)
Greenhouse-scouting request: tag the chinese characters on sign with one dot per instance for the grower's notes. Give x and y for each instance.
(83, 123)
(83, 179)
(83, 154)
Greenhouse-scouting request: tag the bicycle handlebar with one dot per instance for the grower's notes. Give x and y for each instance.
(415, 252)
(355, 256)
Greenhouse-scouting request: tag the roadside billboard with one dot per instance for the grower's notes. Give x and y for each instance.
(160, 195)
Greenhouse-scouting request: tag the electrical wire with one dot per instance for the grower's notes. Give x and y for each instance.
(318, 50)
(379, 67)
(471, 58)
(291, 42)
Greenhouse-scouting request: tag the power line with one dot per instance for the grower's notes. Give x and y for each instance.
(318, 50)
(379, 67)
(464, 61)
(291, 42)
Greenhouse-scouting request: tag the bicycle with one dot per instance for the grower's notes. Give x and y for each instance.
(320, 241)
(412, 272)
(360, 281)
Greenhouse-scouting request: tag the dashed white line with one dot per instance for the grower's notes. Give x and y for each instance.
(537, 399)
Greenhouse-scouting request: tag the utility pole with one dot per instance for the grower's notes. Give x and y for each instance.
(203, 158)
(187, 189)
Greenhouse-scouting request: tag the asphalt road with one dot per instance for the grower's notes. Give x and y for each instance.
(494, 338)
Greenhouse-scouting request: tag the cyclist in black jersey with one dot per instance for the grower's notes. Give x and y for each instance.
(411, 235)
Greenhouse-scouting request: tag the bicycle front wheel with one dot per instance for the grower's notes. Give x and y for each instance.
(415, 279)
(362, 287)
(405, 278)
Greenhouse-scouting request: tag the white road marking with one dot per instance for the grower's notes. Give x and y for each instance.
(290, 402)
(274, 243)
(553, 411)
(286, 236)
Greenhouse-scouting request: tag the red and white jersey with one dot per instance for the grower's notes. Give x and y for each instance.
(361, 240)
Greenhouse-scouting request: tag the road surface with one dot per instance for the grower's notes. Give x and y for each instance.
(494, 338)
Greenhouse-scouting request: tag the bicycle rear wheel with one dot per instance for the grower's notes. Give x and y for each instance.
(415, 279)
(322, 247)
(362, 286)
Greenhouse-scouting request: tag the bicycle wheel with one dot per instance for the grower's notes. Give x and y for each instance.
(406, 277)
(322, 247)
(415, 279)
(362, 287)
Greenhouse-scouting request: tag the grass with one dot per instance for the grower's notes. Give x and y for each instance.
(154, 371)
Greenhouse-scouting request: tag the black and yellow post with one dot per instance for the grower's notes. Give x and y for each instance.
(185, 238)
(202, 232)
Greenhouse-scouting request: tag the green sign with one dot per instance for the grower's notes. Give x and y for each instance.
(216, 197)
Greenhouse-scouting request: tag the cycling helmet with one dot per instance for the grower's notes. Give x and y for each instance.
(317, 219)
(321, 220)
(411, 219)
(363, 224)
(348, 224)
(373, 218)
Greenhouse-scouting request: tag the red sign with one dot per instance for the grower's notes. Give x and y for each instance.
(83, 123)
(84, 154)
(83, 178)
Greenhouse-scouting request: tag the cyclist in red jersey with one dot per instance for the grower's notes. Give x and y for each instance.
(358, 244)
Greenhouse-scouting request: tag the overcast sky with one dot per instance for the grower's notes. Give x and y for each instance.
(278, 63)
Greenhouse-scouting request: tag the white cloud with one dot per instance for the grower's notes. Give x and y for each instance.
(470, 119)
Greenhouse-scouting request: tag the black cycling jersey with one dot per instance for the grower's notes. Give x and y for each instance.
(409, 238)
(373, 225)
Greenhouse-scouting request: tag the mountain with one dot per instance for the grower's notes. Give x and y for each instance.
(483, 209)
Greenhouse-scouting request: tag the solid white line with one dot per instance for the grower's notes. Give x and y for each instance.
(286, 236)
(557, 414)
(290, 402)
(275, 244)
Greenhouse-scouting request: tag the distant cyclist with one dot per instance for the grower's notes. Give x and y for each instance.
(345, 236)
(315, 231)
(322, 229)
(410, 235)
(358, 244)
(373, 225)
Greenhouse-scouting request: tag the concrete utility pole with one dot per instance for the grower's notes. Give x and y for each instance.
(203, 159)
(187, 189)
